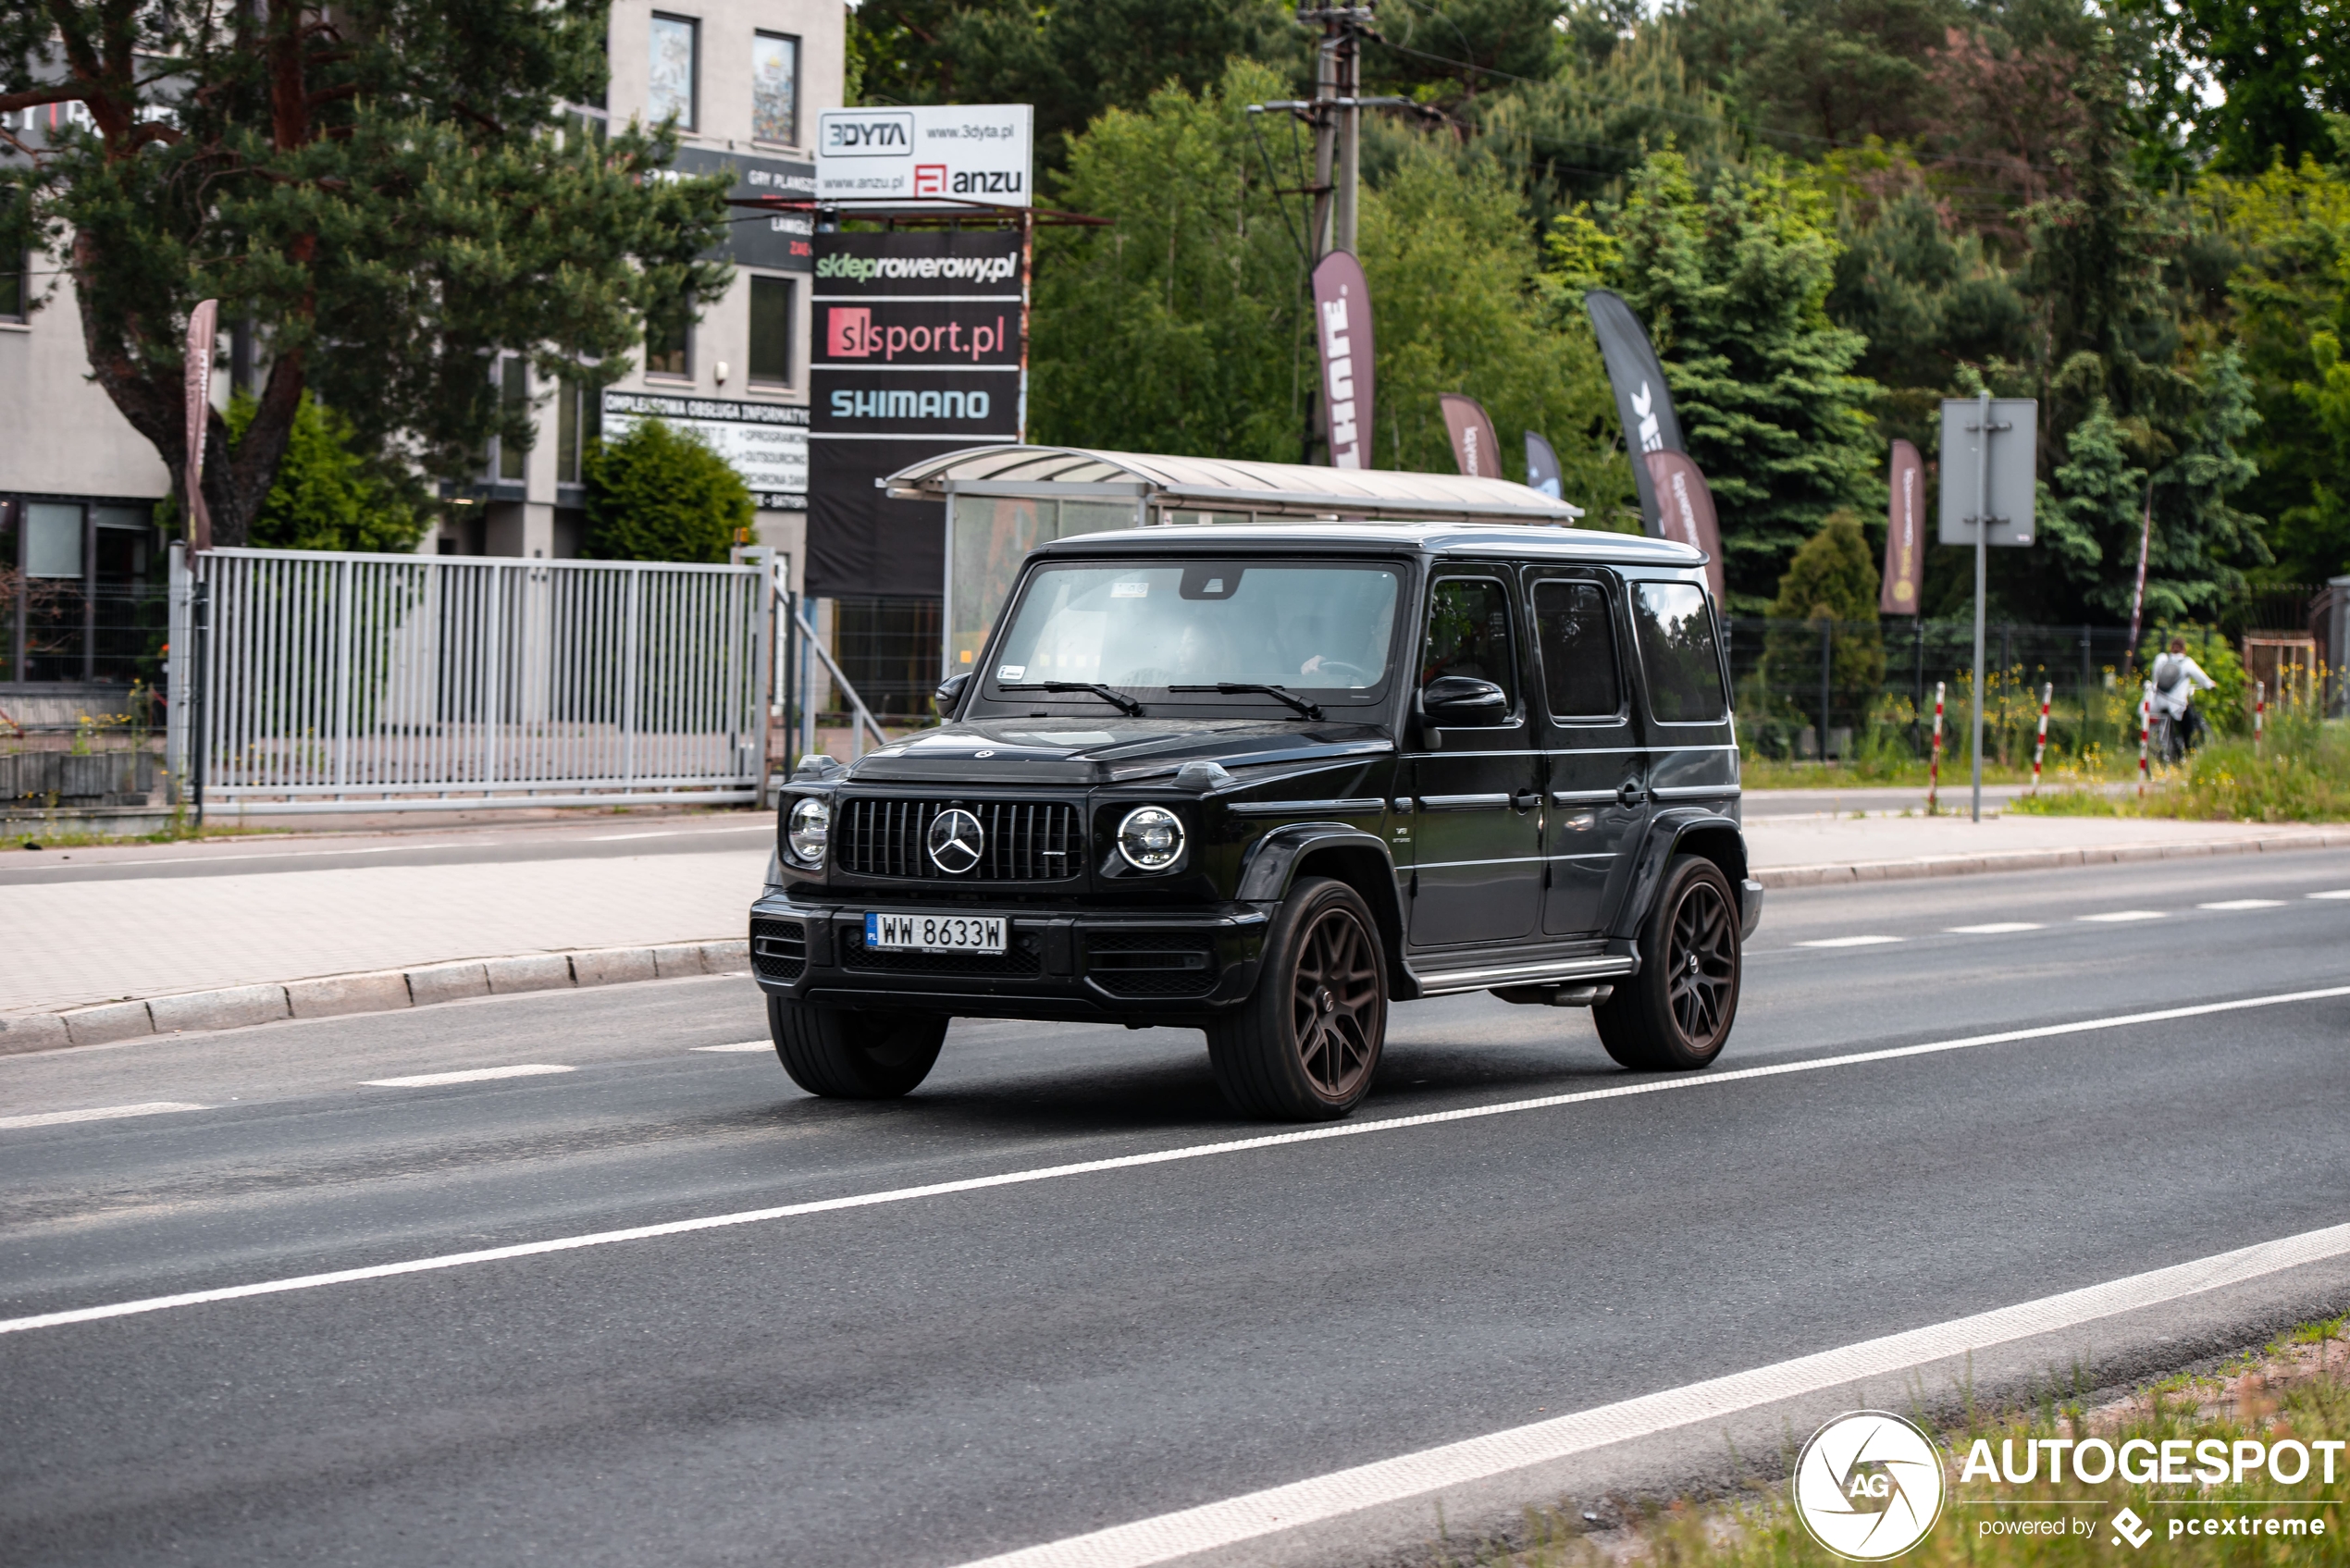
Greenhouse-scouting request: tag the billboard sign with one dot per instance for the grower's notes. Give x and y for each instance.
(771, 241)
(766, 443)
(937, 156)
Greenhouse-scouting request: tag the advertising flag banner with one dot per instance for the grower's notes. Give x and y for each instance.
(1476, 451)
(1904, 580)
(1688, 511)
(926, 156)
(1342, 327)
(1542, 466)
(915, 350)
(204, 324)
(1641, 400)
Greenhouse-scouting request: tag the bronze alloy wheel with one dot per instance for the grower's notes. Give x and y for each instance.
(1675, 1014)
(1335, 1004)
(1306, 1045)
(1701, 963)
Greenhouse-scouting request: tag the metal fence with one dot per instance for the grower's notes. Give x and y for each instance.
(319, 681)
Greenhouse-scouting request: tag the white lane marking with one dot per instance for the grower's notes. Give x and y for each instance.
(1156, 1156)
(2337, 893)
(1342, 1492)
(1847, 941)
(99, 1113)
(471, 1075)
(740, 1045)
(2245, 903)
(613, 837)
(2123, 915)
(1997, 928)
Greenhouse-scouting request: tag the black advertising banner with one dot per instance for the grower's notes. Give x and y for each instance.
(771, 241)
(1687, 502)
(1542, 466)
(1641, 400)
(917, 351)
(1904, 535)
(1342, 328)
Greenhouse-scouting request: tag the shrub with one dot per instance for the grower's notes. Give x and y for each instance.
(659, 494)
(325, 496)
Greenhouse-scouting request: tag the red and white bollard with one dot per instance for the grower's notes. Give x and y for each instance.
(2040, 747)
(2146, 715)
(1933, 778)
(2259, 713)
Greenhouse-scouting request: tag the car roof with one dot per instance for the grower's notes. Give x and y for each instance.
(1525, 542)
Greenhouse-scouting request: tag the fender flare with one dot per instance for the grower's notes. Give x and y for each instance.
(1708, 832)
(1273, 862)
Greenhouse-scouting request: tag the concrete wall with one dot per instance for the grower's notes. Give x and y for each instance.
(63, 436)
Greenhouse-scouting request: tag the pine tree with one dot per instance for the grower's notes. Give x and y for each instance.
(1833, 578)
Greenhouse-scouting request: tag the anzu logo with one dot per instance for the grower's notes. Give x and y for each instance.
(889, 135)
(987, 182)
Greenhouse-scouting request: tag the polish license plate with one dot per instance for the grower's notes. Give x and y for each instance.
(933, 933)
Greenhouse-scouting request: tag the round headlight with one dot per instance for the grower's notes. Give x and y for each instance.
(811, 823)
(1151, 838)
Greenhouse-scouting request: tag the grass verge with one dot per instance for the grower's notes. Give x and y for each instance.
(2296, 1387)
(2300, 774)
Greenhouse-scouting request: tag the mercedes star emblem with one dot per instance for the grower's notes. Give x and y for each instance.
(954, 841)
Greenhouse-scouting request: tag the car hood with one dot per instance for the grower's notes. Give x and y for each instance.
(1108, 750)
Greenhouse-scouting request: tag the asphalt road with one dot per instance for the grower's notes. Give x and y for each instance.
(932, 1380)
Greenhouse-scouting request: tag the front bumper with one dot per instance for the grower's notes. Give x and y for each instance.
(1750, 906)
(1057, 963)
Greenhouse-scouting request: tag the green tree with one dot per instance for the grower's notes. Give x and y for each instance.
(1731, 272)
(383, 186)
(659, 494)
(326, 496)
(1830, 586)
(2283, 66)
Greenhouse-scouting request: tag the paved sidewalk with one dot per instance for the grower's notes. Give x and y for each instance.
(74, 944)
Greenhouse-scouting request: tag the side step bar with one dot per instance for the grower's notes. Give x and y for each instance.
(1554, 972)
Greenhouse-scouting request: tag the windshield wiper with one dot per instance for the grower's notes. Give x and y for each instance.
(1236, 688)
(1119, 701)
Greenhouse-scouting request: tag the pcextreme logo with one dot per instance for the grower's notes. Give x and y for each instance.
(1868, 1486)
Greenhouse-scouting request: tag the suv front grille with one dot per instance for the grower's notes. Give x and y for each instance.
(778, 949)
(1025, 840)
(1151, 963)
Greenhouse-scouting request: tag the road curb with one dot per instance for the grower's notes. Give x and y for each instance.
(1827, 874)
(368, 991)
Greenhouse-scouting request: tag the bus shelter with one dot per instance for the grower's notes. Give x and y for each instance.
(1002, 501)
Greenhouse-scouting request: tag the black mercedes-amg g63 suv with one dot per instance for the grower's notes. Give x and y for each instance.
(1263, 780)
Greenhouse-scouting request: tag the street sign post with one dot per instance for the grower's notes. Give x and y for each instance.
(1988, 478)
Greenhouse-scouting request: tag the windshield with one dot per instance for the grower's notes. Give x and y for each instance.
(1318, 629)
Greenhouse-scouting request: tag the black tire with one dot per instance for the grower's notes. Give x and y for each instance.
(846, 1055)
(1675, 1014)
(1305, 1047)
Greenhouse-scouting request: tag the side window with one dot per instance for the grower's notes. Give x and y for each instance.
(1577, 636)
(1679, 652)
(1468, 633)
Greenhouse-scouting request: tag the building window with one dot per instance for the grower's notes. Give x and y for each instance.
(580, 424)
(774, 89)
(676, 70)
(668, 340)
(513, 402)
(15, 285)
(771, 327)
(53, 540)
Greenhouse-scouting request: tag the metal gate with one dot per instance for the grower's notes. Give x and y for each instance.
(321, 682)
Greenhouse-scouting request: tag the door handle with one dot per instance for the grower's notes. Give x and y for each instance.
(1526, 800)
(1628, 793)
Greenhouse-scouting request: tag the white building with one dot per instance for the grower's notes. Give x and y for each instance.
(746, 78)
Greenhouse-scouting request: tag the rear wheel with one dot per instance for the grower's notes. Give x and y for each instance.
(844, 1053)
(1675, 1014)
(1304, 1047)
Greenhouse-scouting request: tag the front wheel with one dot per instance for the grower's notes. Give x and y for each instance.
(844, 1053)
(1304, 1047)
(1675, 1014)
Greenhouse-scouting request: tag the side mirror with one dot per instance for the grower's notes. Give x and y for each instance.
(950, 692)
(1464, 700)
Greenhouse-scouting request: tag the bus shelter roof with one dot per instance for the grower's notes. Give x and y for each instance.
(1225, 487)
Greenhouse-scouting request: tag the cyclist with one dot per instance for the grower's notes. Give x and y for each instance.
(2176, 679)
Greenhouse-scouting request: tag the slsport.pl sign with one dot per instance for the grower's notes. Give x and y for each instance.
(933, 156)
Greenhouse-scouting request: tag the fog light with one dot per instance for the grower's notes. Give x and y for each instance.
(1151, 838)
(811, 824)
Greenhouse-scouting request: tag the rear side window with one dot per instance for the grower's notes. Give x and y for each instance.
(1577, 638)
(1677, 649)
(1468, 633)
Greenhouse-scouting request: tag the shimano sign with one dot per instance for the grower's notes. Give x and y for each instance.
(940, 156)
